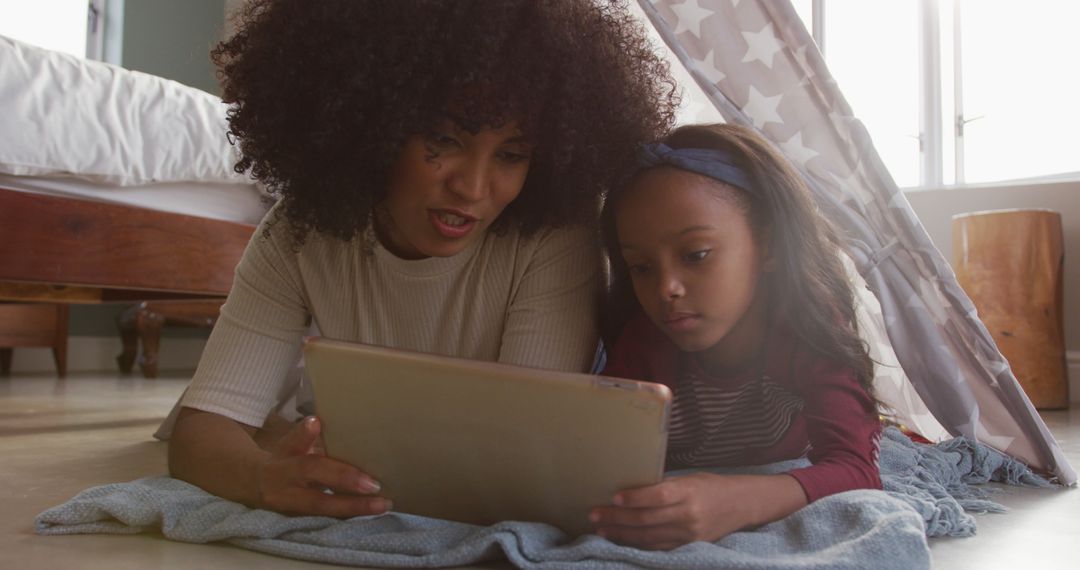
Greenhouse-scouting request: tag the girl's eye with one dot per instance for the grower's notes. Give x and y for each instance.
(696, 256)
(638, 268)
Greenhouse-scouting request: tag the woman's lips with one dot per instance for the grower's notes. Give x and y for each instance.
(451, 223)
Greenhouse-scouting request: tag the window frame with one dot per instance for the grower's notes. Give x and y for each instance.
(105, 30)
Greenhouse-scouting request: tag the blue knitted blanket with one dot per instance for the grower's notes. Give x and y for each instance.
(927, 493)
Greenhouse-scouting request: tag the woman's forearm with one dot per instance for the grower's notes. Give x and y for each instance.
(217, 454)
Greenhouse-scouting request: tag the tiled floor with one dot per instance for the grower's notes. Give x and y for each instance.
(60, 437)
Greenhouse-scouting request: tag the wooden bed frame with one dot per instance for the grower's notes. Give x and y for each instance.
(67, 250)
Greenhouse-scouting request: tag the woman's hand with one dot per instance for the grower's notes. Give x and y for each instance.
(699, 506)
(281, 468)
(295, 478)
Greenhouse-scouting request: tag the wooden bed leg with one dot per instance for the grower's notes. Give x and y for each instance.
(5, 361)
(60, 340)
(149, 325)
(129, 337)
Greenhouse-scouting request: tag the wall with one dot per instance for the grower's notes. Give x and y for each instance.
(231, 6)
(173, 38)
(935, 209)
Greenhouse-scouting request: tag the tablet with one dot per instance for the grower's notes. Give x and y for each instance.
(482, 442)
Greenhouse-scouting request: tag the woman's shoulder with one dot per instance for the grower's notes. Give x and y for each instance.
(576, 246)
(543, 239)
(276, 230)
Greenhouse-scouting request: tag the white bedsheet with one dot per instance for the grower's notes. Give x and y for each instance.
(63, 115)
(214, 200)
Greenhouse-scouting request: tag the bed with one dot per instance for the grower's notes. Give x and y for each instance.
(64, 249)
(115, 185)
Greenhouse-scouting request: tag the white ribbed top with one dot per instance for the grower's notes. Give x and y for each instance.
(505, 298)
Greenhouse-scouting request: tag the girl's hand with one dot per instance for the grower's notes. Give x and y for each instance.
(699, 506)
(297, 474)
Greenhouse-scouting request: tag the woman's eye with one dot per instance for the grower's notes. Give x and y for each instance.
(441, 140)
(513, 157)
(638, 268)
(696, 256)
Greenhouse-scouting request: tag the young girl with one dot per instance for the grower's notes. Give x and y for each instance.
(726, 286)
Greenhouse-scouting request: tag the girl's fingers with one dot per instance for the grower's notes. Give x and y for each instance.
(633, 517)
(662, 494)
(662, 537)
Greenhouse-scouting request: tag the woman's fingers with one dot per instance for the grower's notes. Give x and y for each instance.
(301, 439)
(297, 479)
(321, 472)
(318, 485)
(304, 441)
(318, 503)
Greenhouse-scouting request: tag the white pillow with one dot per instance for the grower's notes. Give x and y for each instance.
(62, 115)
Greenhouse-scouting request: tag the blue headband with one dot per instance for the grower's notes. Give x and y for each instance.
(715, 164)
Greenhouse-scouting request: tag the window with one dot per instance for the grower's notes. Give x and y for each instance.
(53, 24)
(76, 27)
(857, 57)
(957, 92)
(1021, 89)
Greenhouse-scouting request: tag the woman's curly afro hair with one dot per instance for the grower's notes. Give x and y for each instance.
(323, 95)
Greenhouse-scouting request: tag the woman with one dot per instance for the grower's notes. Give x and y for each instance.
(439, 165)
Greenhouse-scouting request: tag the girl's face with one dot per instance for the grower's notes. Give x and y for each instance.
(695, 264)
(447, 187)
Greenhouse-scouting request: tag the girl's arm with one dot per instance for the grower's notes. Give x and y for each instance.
(699, 506)
(844, 431)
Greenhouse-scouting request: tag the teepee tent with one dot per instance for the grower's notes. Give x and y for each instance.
(757, 64)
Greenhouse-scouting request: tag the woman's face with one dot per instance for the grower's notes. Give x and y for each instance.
(693, 259)
(447, 187)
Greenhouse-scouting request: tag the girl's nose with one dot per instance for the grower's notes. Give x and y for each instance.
(671, 286)
(471, 179)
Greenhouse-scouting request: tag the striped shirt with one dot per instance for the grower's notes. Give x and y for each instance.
(713, 425)
(796, 404)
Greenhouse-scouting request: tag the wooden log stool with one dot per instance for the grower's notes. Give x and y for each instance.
(144, 322)
(34, 324)
(1010, 262)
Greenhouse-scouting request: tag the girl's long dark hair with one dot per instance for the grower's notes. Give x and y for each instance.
(808, 291)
